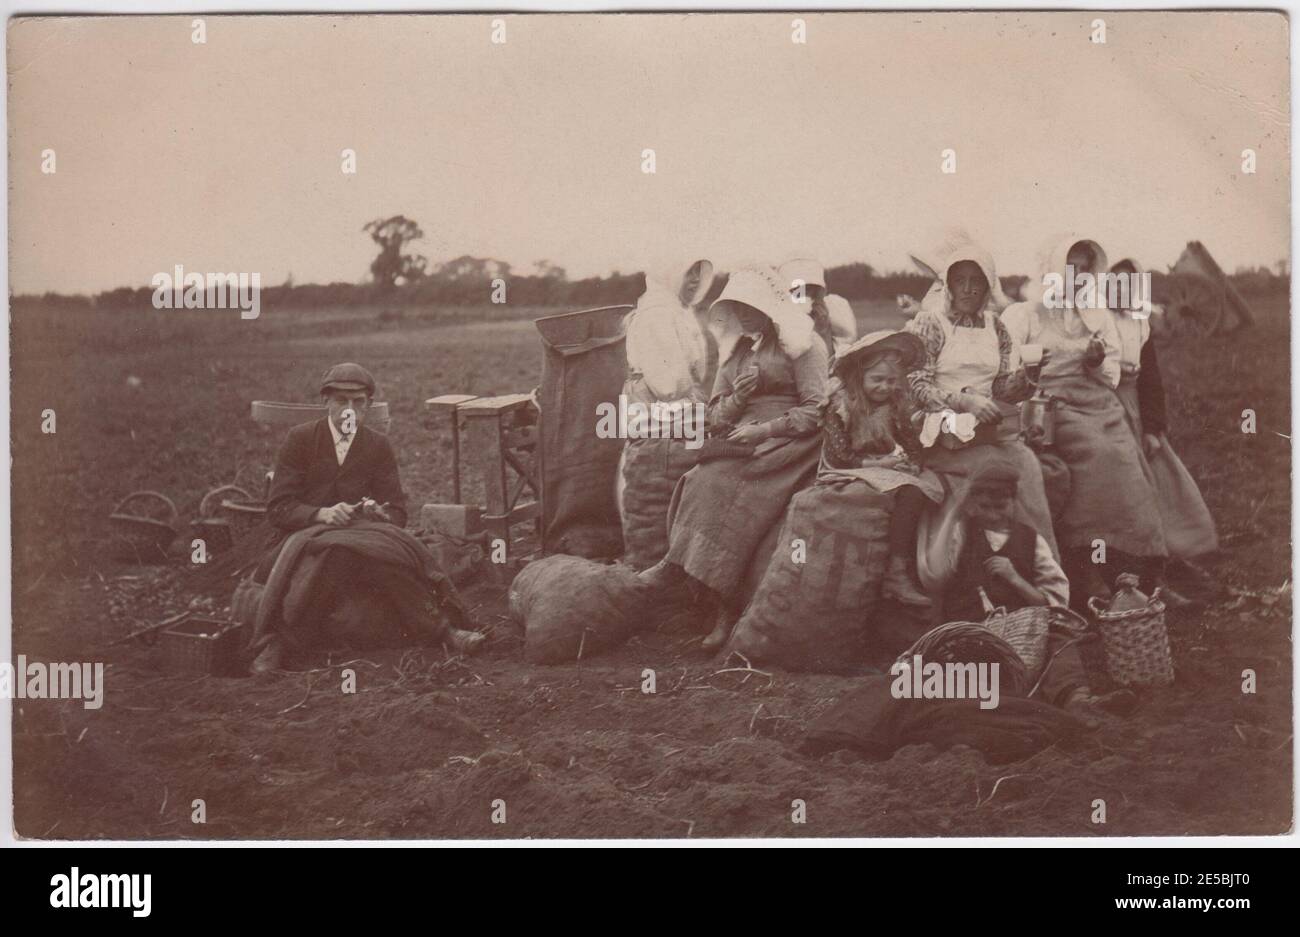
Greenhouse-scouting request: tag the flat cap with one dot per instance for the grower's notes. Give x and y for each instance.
(997, 472)
(348, 376)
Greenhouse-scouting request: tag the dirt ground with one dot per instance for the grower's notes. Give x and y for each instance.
(432, 745)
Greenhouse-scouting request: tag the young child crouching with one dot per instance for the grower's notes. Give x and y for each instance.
(1014, 566)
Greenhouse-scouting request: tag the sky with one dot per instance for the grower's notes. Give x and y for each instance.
(226, 155)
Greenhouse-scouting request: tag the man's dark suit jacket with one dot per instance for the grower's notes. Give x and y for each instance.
(308, 477)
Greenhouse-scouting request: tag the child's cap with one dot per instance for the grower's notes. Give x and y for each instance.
(996, 474)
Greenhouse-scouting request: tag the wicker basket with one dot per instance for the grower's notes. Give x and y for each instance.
(217, 532)
(140, 539)
(203, 645)
(971, 642)
(243, 514)
(1136, 643)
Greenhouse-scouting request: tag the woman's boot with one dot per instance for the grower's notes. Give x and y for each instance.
(663, 575)
(900, 585)
(722, 628)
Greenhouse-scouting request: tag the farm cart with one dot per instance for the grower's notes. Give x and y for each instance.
(1196, 294)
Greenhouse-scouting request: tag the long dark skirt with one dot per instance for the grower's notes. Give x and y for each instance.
(1111, 495)
(1189, 526)
(723, 508)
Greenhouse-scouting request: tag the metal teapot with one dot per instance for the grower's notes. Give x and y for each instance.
(1038, 420)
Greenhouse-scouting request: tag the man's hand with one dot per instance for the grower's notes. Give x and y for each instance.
(373, 511)
(751, 434)
(337, 516)
(1150, 444)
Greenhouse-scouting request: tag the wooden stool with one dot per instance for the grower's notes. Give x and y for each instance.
(499, 436)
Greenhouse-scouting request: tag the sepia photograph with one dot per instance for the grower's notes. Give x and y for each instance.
(768, 425)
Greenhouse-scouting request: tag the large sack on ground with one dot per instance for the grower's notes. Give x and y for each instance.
(814, 615)
(869, 719)
(570, 606)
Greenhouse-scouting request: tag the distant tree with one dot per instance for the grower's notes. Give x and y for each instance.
(550, 271)
(466, 267)
(852, 281)
(392, 266)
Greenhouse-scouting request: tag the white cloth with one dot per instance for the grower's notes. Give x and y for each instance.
(961, 425)
(1048, 579)
(342, 442)
(665, 345)
(844, 325)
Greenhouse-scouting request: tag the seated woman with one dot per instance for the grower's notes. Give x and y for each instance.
(1189, 527)
(1002, 561)
(666, 362)
(1107, 498)
(763, 444)
(967, 390)
(869, 437)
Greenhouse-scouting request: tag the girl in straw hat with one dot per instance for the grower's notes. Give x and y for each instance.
(869, 437)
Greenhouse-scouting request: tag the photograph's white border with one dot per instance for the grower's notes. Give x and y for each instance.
(10, 8)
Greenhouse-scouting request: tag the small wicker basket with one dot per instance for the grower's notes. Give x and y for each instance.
(971, 642)
(202, 645)
(1136, 643)
(216, 531)
(243, 514)
(140, 539)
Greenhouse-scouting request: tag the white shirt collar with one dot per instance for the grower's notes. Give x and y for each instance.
(997, 539)
(338, 437)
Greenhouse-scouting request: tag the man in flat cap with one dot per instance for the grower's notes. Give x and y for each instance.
(329, 471)
(340, 567)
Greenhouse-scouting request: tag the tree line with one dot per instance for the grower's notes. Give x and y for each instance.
(404, 279)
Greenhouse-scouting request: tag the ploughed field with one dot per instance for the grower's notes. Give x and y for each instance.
(435, 746)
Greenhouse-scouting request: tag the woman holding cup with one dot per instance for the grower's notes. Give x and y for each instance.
(1107, 502)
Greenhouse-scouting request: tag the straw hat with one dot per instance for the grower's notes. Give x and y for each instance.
(908, 346)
